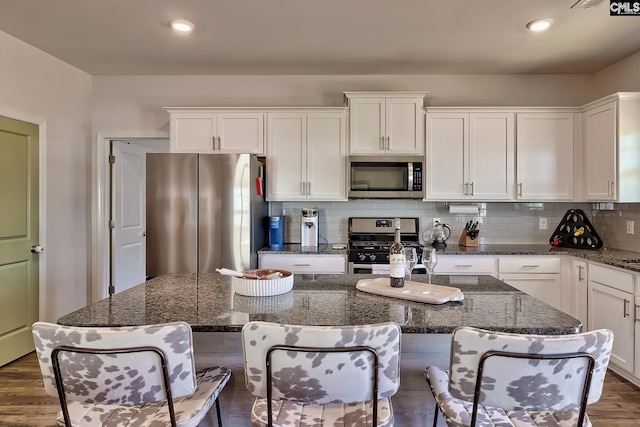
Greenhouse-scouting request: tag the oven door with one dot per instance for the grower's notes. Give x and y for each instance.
(355, 268)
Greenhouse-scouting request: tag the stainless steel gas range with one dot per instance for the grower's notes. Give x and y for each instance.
(370, 239)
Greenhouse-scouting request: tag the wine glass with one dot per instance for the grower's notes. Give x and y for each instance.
(429, 260)
(410, 261)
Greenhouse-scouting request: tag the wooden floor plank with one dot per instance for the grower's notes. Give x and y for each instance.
(24, 403)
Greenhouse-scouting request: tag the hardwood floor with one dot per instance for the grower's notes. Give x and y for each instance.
(23, 401)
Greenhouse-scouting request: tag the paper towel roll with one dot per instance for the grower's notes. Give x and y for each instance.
(463, 209)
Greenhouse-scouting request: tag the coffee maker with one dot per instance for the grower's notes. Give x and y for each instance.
(309, 228)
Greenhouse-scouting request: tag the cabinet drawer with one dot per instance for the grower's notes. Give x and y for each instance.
(467, 264)
(311, 264)
(611, 277)
(529, 264)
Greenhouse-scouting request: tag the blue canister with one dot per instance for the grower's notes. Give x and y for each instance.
(276, 232)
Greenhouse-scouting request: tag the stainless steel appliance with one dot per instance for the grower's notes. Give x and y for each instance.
(370, 239)
(309, 228)
(386, 177)
(204, 211)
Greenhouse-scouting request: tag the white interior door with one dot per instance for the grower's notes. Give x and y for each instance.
(129, 214)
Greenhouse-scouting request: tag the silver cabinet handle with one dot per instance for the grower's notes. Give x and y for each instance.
(219, 143)
(302, 265)
(530, 266)
(382, 145)
(580, 278)
(624, 308)
(519, 189)
(304, 188)
(466, 188)
(635, 313)
(463, 265)
(612, 188)
(472, 188)
(308, 188)
(214, 143)
(388, 142)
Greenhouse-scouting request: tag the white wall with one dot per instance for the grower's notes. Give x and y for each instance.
(623, 76)
(37, 87)
(124, 103)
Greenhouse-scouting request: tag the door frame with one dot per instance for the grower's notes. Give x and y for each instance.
(42, 196)
(100, 209)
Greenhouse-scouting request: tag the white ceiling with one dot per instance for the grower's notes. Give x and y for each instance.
(132, 37)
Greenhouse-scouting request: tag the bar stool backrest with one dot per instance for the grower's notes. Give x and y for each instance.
(523, 383)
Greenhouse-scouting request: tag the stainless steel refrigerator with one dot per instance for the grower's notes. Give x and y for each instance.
(204, 211)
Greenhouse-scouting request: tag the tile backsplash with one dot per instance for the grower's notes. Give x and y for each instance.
(499, 222)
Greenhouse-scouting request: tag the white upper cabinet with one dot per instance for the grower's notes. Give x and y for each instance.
(386, 122)
(612, 149)
(306, 155)
(470, 155)
(205, 130)
(545, 155)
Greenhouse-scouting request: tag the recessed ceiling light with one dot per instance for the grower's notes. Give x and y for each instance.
(538, 25)
(181, 26)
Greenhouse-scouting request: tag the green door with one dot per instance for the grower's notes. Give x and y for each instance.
(18, 233)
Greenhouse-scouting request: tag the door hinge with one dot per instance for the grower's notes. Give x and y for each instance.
(112, 159)
(112, 290)
(112, 225)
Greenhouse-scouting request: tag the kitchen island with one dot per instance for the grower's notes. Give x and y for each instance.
(207, 302)
(217, 314)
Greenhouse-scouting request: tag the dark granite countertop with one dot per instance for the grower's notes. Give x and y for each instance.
(208, 303)
(296, 248)
(614, 257)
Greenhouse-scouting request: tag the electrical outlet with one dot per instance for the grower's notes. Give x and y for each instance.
(630, 226)
(542, 223)
(435, 221)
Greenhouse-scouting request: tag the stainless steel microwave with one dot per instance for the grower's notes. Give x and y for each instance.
(386, 177)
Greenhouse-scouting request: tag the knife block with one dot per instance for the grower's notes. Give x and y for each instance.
(467, 241)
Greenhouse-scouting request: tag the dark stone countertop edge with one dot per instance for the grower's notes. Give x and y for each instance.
(608, 256)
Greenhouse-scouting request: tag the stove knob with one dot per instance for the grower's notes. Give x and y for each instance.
(362, 257)
(372, 257)
(388, 257)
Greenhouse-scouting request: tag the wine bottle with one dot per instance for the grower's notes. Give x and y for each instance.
(396, 259)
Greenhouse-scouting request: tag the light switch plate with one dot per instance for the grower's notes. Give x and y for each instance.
(435, 221)
(542, 223)
(630, 227)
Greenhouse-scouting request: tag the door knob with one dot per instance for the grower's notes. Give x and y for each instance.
(36, 249)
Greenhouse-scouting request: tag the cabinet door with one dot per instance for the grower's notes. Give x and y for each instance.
(446, 172)
(612, 309)
(636, 322)
(600, 152)
(579, 292)
(544, 159)
(304, 264)
(326, 160)
(367, 126)
(545, 287)
(240, 133)
(286, 151)
(404, 124)
(491, 156)
(192, 133)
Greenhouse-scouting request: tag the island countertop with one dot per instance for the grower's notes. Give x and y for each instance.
(207, 302)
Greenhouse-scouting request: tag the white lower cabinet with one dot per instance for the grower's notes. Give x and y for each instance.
(636, 322)
(467, 265)
(538, 276)
(304, 263)
(611, 302)
(578, 284)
